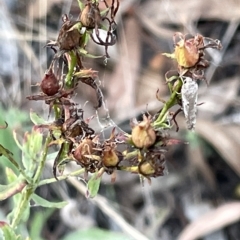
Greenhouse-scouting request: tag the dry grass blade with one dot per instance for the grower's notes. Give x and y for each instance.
(223, 141)
(212, 221)
(126, 71)
(106, 207)
(196, 157)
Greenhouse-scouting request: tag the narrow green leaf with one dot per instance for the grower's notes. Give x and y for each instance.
(104, 11)
(36, 139)
(6, 153)
(80, 4)
(45, 203)
(85, 53)
(38, 221)
(93, 185)
(77, 26)
(16, 140)
(11, 189)
(32, 146)
(61, 159)
(8, 232)
(85, 38)
(16, 184)
(36, 119)
(95, 233)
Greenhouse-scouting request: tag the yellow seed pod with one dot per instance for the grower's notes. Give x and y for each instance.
(146, 169)
(186, 53)
(110, 158)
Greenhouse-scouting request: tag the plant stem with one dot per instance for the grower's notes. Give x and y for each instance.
(132, 169)
(72, 64)
(42, 162)
(171, 102)
(63, 177)
(23, 204)
(29, 189)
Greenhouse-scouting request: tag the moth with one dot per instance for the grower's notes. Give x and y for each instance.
(189, 93)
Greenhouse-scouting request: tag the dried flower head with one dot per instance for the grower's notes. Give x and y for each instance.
(143, 134)
(68, 37)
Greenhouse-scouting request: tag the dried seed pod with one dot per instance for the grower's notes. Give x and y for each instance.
(143, 134)
(152, 165)
(187, 51)
(50, 84)
(84, 148)
(90, 16)
(69, 37)
(146, 169)
(189, 94)
(110, 158)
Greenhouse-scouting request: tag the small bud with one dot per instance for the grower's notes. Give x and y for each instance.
(50, 84)
(143, 134)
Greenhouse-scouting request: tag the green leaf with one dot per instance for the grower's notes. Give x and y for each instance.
(85, 53)
(61, 159)
(15, 119)
(11, 189)
(31, 148)
(77, 26)
(45, 203)
(81, 4)
(95, 233)
(8, 232)
(21, 207)
(38, 221)
(16, 140)
(85, 38)
(36, 119)
(6, 153)
(104, 11)
(93, 185)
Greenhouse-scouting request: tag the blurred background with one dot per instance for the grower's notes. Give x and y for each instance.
(198, 198)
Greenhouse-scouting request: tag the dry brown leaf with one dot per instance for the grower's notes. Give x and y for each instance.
(212, 221)
(213, 95)
(195, 155)
(223, 142)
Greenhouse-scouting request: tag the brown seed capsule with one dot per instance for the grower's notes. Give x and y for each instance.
(90, 16)
(68, 38)
(143, 134)
(84, 148)
(50, 84)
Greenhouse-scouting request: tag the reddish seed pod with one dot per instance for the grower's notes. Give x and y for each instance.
(50, 84)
